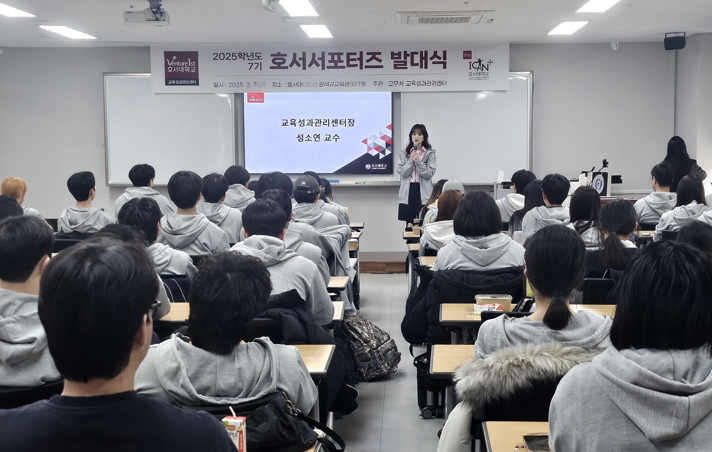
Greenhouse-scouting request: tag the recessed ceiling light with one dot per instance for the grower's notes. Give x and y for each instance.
(298, 8)
(9, 11)
(597, 6)
(567, 28)
(316, 31)
(66, 31)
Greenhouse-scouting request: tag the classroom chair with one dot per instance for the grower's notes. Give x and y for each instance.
(12, 397)
(647, 226)
(670, 235)
(177, 287)
(62, 244)
(53, 223)
(596, 290)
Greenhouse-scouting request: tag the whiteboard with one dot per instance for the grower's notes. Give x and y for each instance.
(171, 132)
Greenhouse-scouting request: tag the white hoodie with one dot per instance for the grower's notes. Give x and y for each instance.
(542, 216)
(194, 234)
(677, 218)
(653, 206)
(510, 204)
(238, 197)
(170, 262)
(144, 192)
(436, 235)
(479, 253)
(85, 220)
(227, 218)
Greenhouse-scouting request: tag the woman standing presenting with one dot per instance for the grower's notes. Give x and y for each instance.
(680, 160)
(416, 166)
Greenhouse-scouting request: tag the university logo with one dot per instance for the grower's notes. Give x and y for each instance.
(181, 68)
(255, 98)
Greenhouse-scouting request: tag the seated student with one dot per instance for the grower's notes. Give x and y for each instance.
(555, 189)
(306, 193)
(238, 196)
(25, 250)
(585, 216)
(142, 176)
(328, 197)
(690, 206)
(187, 230)
(229, 219)
(478, 243)
(433, 200)
(433, 211)
(697, 234)
(652, 388)
(439, 232)
(264, 223)
(145, 215)
(293, 239)
(9, 207)
(214, 366)
(82, 218)
(95, 305)
(338, 211)
(17, 188)
(651, 208)
(617, 225)
(515, 200)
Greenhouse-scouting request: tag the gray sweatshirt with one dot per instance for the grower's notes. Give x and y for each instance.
(510, 204)
(584, 330)
(542, 216)
(342, 211)
(83, 220)
(436, 235)
(177, 372)
(311, 235)
(592, 237)
(238, 196)
(293, 241)
(311, 214)
(144, 192)
(227, 218)
(677, 218)
(24, 355)
(335, 210)
(288, 271)
(170, 262)
(635, 400)
(479, 253)
(194, 234)
(31, 212)
(653, 206)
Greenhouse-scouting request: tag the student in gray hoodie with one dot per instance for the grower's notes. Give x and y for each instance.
(264, 224)
(328, 197)
(555, 189)
(187, 230)
(238, 195)
(306, 193)
(478, 243)
(214, 366)
(690, 206)
(82, 218)
(142, 176)
(432, 213)
(653, 206)
(214, 191)
(515, 201)
(25, 248)
(651, 390)
(441, 230)
(337, 211)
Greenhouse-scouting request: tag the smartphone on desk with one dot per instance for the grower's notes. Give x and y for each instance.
(537, 443)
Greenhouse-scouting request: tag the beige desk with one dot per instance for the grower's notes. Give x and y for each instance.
(444, 360)
(505, 436)
(338, 311)
(353, 245)
(600, 309)
(357, 225)
(427, 261)
(356, 235)
(338, 283)
(412, 236)
(413, 247)
(316, 357)
(179, 313)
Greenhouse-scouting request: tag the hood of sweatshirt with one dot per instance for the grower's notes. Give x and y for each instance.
(181, 230)
(239, 196)
(516, 200)
(217, 213)
(689, 213)
(83, 219)
(292, 239)
(439, 232)
(665, 393)
(307, 213)
(22, 335)
(270, 250)
(140, 192)
(661, 202)
(162, 256)
(547, 216)
(483, 250)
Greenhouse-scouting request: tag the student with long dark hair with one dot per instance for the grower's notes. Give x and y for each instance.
(585, 214)
(652, 389)
(682, 164)
(617, 224)
(690, 206)
(416, 167)
(697, 234)
(433, 200)
(439, 232)
(533, 197)
(515, 201)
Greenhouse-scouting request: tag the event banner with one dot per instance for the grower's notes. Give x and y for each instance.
(238, 68)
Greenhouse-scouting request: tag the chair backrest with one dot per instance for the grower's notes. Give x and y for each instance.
(177, 287)
(16, 397)
(220, 411)
(670, 235)
(429, 252)
(52, 222)
(526, 406)
(259, 327)
(62, 244)
(646, 226)
(489, 315)
(596, 290)
(197, 259)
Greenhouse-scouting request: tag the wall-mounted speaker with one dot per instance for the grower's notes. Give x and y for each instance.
(674, 41)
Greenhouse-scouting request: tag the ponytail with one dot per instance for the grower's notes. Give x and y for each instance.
(614, 254)
(558, 314)
(617, 217)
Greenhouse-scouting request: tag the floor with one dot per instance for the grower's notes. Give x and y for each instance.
(388, 418)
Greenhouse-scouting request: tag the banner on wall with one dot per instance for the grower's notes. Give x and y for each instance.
(225, 68)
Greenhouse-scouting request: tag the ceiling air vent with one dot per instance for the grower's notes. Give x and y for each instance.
(440, 17)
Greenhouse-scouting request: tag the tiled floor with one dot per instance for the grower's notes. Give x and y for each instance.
(388, 418)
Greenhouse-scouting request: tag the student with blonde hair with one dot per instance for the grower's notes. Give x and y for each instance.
(17, 188)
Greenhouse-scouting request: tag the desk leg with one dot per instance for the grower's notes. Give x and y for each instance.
(314, 413)
(411, 273)
(449, 400)
(455, 336)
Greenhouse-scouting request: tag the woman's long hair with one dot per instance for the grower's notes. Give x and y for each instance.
(434, 195)
(677, 150)
(532, 198)
(617, 217)
(447, 205)
(424, 131)
(690, 189)
(585, 209)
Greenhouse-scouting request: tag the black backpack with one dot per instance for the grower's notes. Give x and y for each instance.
(374, 352)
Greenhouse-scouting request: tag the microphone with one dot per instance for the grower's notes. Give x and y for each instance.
(592, 169)
(605, 164)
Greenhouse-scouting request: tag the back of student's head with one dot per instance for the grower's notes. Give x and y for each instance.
(276, 180)
(214, 187)
(663, 173)
(617, 217)
(228, 291)
(521, 179)
(9, 207)
(326, 192)
(237, 174)
(13, 186)
(24, 242)
(532, 198)
(280, 197)
(264, 217)
(663, 299)
(677, 149)
(447, 205)
(690, 189)
(94, 297)
(142, 174)
(143, 214)
(697, 234)
(123, 232)
(184, 189)
(314, 175)
(80, 184)
(585, 208)
(306, 189)
(556, 262)
(556, 188)
(434, 195)
(477, 215)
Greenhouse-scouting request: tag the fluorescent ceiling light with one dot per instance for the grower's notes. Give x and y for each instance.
(298, 8)
(567, 28)
(316, 31)
(9, 11)
(597, 6)
(66, 31)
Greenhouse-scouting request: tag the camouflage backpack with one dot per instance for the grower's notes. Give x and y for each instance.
(375, 353)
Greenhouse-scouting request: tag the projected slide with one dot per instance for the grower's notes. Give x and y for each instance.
(346, 133)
